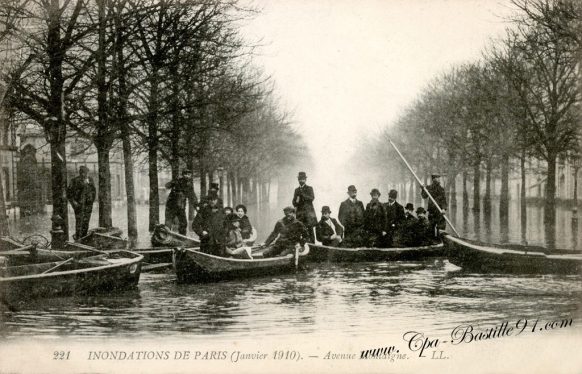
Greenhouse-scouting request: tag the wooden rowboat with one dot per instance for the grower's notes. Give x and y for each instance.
(194, 266)
(164, 237)
(480, 257)
(319, 253)
(112, 271)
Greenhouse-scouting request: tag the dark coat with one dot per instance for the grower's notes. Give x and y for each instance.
(438, 193)
(303, 202)
(288, 233)
(323, 230)
(351, 215)
(375, 217)
(81, 194)
(211, 221)
(181, 189)
(394, 216)
(245, 227)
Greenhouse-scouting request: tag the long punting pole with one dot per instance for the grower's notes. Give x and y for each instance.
(428, 193)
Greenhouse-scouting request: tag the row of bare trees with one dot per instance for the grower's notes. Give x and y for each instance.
(170, 81)
(520, 102)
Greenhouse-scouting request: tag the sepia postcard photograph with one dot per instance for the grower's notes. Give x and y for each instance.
(292, 186)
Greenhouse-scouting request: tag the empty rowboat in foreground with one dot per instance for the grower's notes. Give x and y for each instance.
(112, 271)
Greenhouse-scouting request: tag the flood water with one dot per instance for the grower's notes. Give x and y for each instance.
(324, 299)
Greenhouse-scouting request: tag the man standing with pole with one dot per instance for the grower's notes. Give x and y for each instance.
(435, 216)
(81, 194)
(437, 205)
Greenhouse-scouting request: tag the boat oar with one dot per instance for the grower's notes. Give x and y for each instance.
(428, 193)
(58, 266)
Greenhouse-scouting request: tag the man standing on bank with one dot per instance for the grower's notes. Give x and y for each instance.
(435, 218)
(303, 203)
(81, 194)
(351, 216)
(181, 189)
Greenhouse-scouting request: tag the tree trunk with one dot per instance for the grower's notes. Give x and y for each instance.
(202, 172)
(465, 193)
(487, 198)
(153, 144)
(232, 179)
(3, 216)
(55, 126)
(477, 185)
(453, 191)
(104, 187)
(550, 202)
(504, 195)
(523, 207)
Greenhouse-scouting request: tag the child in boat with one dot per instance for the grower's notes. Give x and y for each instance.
(234, 243)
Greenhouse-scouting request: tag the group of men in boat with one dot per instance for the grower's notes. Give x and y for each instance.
(227, 232)
(377, 225)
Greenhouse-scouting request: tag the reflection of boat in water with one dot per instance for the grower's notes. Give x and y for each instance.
(511, 258)
(318, 253)
(192, 265)
(116, 270)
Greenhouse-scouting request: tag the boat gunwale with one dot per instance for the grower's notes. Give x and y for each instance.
(507, 252)
(305, 252)
(386, 250)
(130, 261)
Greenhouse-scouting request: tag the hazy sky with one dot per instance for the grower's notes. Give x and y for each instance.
(347, 68)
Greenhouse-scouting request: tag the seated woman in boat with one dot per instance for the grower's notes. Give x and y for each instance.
(329, 231)
(235, 246)
(248, 234)
(288, 235)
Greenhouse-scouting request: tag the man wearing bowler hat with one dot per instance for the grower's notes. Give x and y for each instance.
(436, 190)
(375, 220)
(329, 231)
(394, 217)
(351, 216)
(303, 203)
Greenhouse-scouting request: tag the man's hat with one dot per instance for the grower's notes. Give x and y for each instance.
(214, 186)
(420, 210)
(302, 175)
(288, 209)
(375, 191)
(83, 167)
(433, 176)
(352, 188)
(393, 194)
(325, 209)
(409, 206)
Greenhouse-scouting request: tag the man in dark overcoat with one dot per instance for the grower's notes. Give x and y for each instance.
(394, 217)
(303, 203)
(329, 231)
(181, 189)
(375, 220)
(81, 194)
(209, 226)
(436, 190)
(351, 216)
